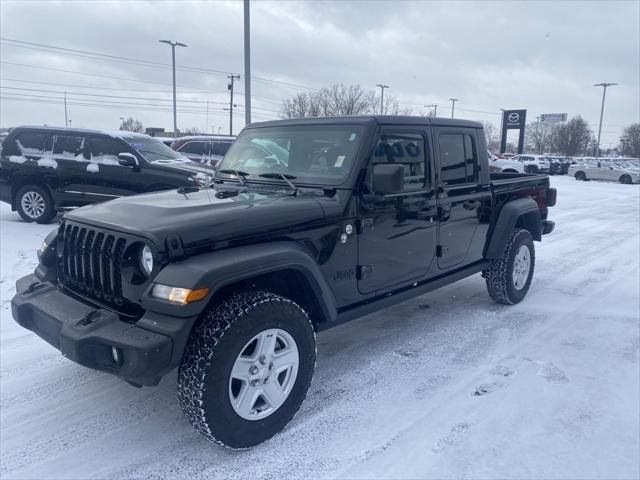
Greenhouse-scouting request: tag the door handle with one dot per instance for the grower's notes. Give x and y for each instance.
(471, 204)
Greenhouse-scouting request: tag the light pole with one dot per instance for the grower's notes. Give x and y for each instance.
(66, 117)
(231, 78)
(173, 65)
(453, 105)
(382, 87)
(247, 63)
(435, 108)
(604, 86)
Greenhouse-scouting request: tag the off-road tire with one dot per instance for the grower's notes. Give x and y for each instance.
(215, 343)
(626, 179)
(48, 212)
(531, 169)
(499, 275)
(581, 176)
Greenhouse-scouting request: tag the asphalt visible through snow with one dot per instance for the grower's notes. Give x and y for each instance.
(446, 385)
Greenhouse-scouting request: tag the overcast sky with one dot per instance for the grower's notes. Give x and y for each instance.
(543, 56)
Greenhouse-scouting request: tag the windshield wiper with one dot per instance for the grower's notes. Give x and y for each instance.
(284, 176)
(238, 173)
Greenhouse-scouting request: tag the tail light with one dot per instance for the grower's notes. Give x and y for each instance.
(552, 195)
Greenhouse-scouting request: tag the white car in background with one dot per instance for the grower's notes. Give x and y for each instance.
(617, 171)
(508, 165)
(533, 163)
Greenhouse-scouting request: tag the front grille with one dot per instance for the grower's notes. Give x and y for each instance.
(90, 262)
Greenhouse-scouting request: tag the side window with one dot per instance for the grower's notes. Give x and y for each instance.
(408, 150)
(220, 148)
(196, 148)
(458, 159)
(105, 150)
(30, 143)
(67, 146)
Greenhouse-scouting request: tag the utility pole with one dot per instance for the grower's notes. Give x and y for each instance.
(435, 109)
(453, 105)
(247, 63)
(232, 78)
(538, 140)
(206, 124)
(382, 87)
(604, 86)
(66, 118)
(173, 65)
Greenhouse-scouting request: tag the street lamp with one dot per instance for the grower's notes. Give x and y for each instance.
(453, 105)
(604, 86)
(173, 65)
(382, 87)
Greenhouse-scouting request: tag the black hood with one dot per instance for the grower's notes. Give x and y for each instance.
(202, 217)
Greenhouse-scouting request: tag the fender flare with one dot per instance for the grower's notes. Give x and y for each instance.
(525, 208)
(224, 267)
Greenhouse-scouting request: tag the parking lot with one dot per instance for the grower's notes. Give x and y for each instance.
(449, 384)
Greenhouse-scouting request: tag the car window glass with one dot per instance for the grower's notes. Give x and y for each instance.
(194, 148)
(220, 148)
(68, 146)
(105, 150)
(30, 143)
(458, 160)
(406, 149)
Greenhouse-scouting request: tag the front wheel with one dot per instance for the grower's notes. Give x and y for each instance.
(509, 277)
(35, 204)
(581, 176)
(247, 368)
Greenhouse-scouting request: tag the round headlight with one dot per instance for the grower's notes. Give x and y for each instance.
(146, 260)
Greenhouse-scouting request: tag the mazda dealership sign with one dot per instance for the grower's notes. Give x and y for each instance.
(513, 120)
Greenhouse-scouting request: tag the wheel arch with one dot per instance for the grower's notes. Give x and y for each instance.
(520, 213)
(284, 268)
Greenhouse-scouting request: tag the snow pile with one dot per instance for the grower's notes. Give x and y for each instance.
(447, 385)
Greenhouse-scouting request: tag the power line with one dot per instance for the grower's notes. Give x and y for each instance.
(136, 61)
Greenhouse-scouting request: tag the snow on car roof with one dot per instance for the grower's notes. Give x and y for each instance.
(71, 130)
(229, 138)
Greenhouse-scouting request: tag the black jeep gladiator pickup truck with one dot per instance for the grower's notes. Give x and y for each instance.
(308, 223)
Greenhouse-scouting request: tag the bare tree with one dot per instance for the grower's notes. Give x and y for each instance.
(632, 143)
(338, 100)
(537, 137)
(132, 125)
(571, 138)
(493, 136)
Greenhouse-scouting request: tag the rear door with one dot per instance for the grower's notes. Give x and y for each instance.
(463, 196)
(397, 235)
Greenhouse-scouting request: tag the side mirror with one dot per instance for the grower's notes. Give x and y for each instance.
(388, 178)
(127, 159)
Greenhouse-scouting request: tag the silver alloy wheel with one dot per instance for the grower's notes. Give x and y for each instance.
(33, 204)
(521, 267)
(263, 374)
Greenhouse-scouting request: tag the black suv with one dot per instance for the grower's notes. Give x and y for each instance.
(309, 223)
(43, 169)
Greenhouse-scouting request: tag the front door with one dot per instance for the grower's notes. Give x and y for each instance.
(397, 233)
(463, 199)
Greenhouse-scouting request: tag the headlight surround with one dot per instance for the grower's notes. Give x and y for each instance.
(146, 260)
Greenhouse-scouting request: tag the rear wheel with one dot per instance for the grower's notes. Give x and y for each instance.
(580, 176)
(509, 277)
(35, 204)
(626, 179)
(531, 169)
(247, 368)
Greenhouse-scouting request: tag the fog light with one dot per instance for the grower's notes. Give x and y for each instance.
(115, 355)
(178, 295)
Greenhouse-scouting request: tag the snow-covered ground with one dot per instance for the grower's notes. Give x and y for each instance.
(448, 385)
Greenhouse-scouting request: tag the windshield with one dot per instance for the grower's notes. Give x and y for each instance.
(153, 150)
(314, 154)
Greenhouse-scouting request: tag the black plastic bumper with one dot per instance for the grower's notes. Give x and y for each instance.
(548, 226)
(87, 334)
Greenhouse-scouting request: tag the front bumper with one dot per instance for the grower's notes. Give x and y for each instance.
(548, 226)
(86, 334)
